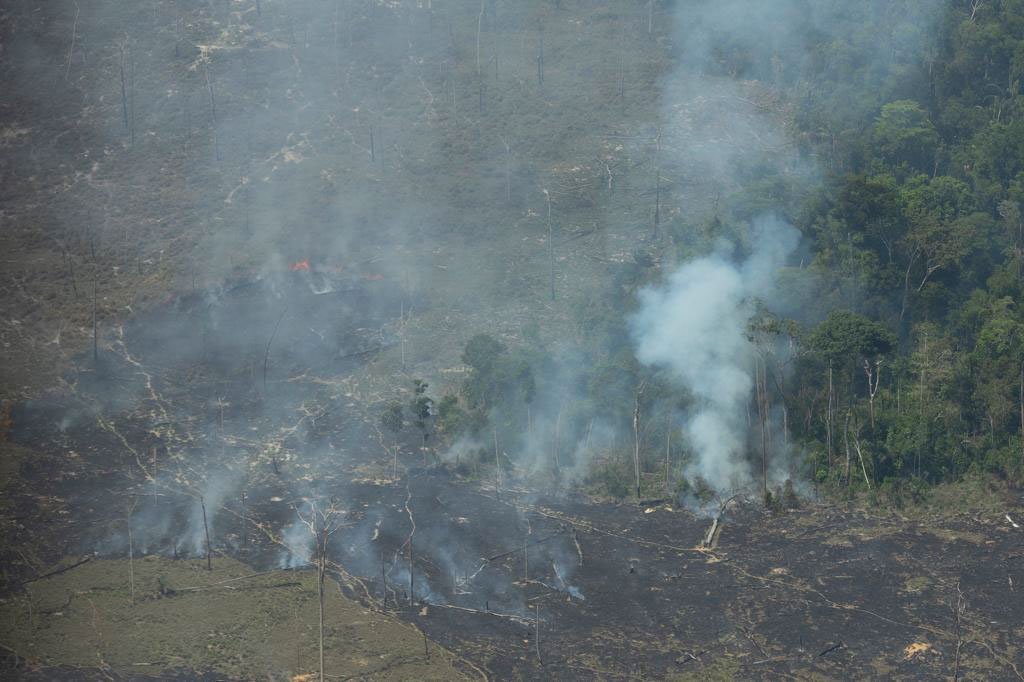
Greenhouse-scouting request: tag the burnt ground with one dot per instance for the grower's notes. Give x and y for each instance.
(192, 393)
(162, 419)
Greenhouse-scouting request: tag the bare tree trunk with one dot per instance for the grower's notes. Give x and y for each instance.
(874, 376)
(537, 635)
(187, 115)
(785, 425)
(296, 637)
(958, 611)
(68, 261)
(131, 97)
(846, 440)
(860, 456)
(551, 246)
(668, 452)
(479, 26)
(508, 171)
(213, 113)
(622, 64)
(497, 459)
(828, 417)
(321, 570)
(122, 47)
(636, 438)
(906, 285)
(95, 327)
(540, 60)
(266, 352)
(657, 189)
(762, 407)
(556, 439)
(206, 529)
(74, 34)
(923, 392)
(245, 522)
(131, 556)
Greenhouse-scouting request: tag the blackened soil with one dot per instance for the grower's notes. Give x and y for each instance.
(167, 417)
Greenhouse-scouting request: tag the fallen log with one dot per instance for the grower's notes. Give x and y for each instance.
(834, 647)
(525, 546)
(711, 537)
(58, 571)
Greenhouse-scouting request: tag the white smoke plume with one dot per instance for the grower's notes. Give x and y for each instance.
(299, 546)
(695, 325)
(215, 491)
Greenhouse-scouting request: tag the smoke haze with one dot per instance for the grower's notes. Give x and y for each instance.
(696, 325)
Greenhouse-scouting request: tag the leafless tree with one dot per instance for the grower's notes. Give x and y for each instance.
(551, 245)
(657, 187)
(131, 555)
(95, 326)
(636, 434)
(959, 608)
(508, 170)
(874, 375)
(540, 59)
(71, 48)
(975, 6)
(322, 523)
(213, 111)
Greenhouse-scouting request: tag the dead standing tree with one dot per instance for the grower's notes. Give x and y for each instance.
(95, 326)
(874, 376)
(126, 66)
(266, 352)
(636, 434)
(131, 554)
(206, 530)
(213, 110)
(540, 57)
(74, 35)
(551, 245)
(322, 524)
(761, 393)
(508, 170)
(657, 187)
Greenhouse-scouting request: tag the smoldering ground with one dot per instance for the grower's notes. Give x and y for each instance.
(301, 278)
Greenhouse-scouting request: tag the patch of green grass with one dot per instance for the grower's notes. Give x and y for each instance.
(976, 493)
(721, 670)
(916, 584)
(184, 616)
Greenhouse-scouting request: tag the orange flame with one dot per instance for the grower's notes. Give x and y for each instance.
(300, 265)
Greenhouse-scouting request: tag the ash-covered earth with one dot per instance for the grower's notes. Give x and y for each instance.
(522, 579)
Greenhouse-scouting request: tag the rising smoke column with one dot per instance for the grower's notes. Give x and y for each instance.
(695, 325)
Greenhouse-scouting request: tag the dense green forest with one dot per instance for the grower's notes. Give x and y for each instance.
(898, 360)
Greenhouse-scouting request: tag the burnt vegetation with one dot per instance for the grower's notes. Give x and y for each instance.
(420, 339)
